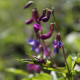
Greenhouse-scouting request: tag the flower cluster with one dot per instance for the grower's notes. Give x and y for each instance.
(36, 43)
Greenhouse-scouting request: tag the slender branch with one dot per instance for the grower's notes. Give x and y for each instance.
(61, 41)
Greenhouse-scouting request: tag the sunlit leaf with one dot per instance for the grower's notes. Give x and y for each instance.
(69, 61)
(60, 70)
(43, 76)
(73, 63)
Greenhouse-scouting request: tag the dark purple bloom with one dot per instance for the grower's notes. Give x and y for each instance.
(36, 46)
(46, 36)
(57, 44)
(46, 18)
(33, 67)
(43, 14)
(34, 17)
(29, 21)
(28, 4)
(37, 27)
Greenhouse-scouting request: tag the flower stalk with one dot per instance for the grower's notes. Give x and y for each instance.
(61, 41)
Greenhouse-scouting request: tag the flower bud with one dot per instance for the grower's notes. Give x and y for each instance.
(34, 17)
(43, 14)
(28, 4)
(29, 21)
(46, 18)
(58, 37)
(46, 36)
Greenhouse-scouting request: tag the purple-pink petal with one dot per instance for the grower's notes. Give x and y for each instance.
(47, 51)
(37, 27)
(38, 49)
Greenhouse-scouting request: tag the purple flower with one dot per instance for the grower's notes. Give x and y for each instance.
(46, 18)
(33, 67)
(37, 27)
(36, 46)
(28, 4)
(57, 44)
(34, 17)
(46, 36)
(43, 14)
(47, 51)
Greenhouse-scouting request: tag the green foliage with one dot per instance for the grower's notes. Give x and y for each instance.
(26, 79)
(42, 76)
(62, 78)
(77, 41)
(78, 59)
(13, 33)
(59, 70)
(69, 61)
(16, 71)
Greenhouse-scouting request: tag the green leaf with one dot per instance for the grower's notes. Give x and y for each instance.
(60, 70)
(26, 79)
(69, 61)
(16, 71)
(77, 41)
(24, 60)
(78, 58)
(43, 76)
(62, 78)
(78, 55)
(73, 64)
(75, 73)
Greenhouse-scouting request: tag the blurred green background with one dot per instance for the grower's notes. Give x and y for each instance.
(14, 33)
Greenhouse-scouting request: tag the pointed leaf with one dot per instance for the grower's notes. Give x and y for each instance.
(69, 61)
(43, 76)
(16, 71)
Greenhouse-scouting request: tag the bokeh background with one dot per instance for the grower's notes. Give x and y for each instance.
(14, 33)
